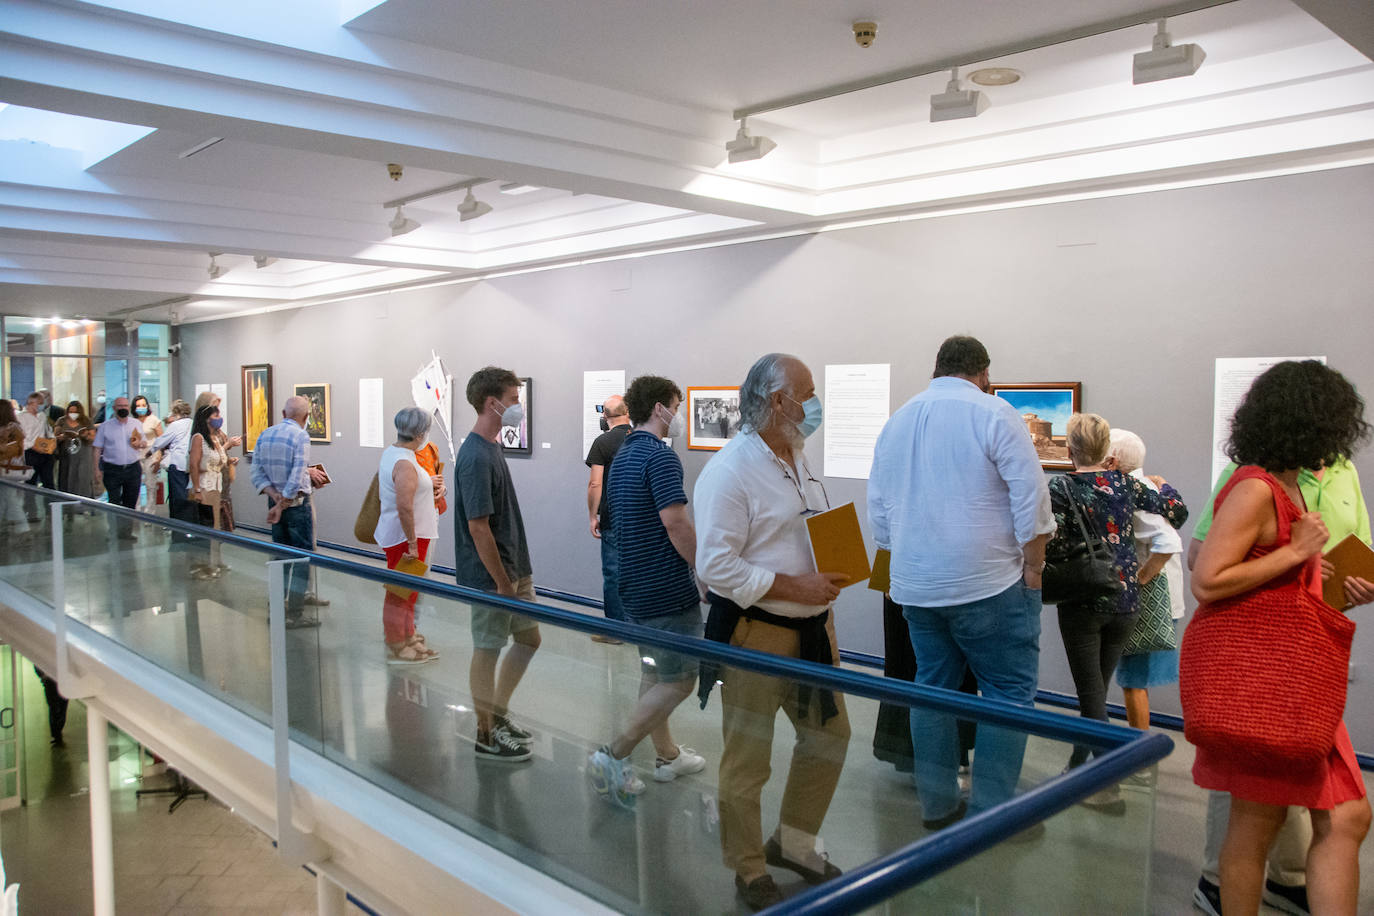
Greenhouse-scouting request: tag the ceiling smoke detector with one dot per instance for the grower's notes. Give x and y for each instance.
(995, 76)
(394, 169)
(865, 33)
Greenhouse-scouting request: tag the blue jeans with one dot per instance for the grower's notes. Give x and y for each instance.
(610, 575)
(296, 529)
(999, 639)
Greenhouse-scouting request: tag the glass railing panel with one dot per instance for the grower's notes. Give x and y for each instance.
(411, 728)
(26, 538)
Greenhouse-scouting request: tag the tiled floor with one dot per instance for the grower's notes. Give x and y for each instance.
(201, 859)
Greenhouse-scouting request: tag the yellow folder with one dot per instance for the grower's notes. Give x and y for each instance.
(838, 544)
(881, 580)
(412, 567)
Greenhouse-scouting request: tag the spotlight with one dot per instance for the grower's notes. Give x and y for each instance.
(471, 208)
(262, 260)
(1166, 61)
(956, 102)
(401, 224)
(214, 270)
(745, 148)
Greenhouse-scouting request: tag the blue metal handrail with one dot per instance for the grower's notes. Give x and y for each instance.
(995, 712)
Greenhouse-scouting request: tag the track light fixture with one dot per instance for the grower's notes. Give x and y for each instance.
(262, 260)
(745, 148)
(401, 224)
(471, 208)
(1165, 60)
(214, 270)
(956, 102)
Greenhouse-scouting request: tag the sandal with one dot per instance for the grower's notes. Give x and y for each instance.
(407, 654)
(417, 642)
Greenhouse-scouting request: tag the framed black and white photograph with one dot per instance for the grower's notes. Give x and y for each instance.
(516, 440)
(1046, 408)
(712, 417)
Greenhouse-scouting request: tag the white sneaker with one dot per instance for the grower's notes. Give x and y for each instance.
(685, 763)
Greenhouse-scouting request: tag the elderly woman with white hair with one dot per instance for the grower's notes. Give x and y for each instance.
(406, 527)
(1158, 548)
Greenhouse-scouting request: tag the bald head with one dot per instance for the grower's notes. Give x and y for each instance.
(296, 408)
(615, 411)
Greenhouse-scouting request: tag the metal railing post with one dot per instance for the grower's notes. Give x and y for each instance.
(294, 846)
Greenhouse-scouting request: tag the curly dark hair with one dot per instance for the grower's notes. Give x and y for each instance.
(1298, 415)
(961, 355)
(490, 382)
(646, 391)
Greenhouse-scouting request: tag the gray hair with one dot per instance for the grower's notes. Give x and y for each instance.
(1128, 449)
(766, 376)
(412, 423)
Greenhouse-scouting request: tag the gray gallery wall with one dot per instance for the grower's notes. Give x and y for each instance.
(1134, 296)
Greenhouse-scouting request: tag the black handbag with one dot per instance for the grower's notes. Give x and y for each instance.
(1085, 571)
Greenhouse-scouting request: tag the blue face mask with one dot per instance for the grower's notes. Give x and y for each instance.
(811, 420)
(216, 422)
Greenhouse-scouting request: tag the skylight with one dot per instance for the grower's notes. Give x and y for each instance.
(92, 138)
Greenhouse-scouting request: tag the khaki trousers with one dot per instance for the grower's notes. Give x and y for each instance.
(751, 703)
(1287, 856)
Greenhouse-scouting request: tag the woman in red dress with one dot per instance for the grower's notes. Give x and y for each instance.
(1296, 415)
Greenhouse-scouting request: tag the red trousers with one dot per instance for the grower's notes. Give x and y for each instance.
(398, 614)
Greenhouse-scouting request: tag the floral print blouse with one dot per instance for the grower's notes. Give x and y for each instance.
(1108, 500)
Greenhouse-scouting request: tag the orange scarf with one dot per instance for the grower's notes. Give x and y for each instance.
(429, 460)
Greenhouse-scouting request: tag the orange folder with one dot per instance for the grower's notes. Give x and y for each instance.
(838, 544)
(1351, 557)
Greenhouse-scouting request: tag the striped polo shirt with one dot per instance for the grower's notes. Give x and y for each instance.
(646, 478)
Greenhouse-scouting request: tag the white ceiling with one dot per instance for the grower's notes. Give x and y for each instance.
(618, 111)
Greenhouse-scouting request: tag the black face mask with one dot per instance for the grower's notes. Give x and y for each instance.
(605, 427)
(121, 412)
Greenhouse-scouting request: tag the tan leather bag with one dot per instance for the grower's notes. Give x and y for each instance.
(365, 527)
(44, 446)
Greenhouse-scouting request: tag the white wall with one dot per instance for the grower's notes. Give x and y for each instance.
(1133, 296)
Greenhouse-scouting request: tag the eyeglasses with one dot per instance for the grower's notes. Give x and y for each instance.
(806, 509)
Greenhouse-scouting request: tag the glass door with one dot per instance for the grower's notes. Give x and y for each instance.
(9, 729)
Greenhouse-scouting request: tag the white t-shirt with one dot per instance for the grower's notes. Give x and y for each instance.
(389, 532)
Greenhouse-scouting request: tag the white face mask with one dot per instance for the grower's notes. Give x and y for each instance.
(513, 415)
(73, 414)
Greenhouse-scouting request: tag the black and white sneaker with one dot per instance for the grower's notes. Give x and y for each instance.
(515, 731)
(1207, 897)
(499, 745)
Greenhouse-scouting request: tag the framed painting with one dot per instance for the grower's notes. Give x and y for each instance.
(257, 402)
(712, 417)
(318, 423)
(516, 440)
(1046, 408)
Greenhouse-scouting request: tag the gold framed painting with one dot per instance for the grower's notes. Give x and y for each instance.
(1046, 408)
(256, 381)
(318, 422)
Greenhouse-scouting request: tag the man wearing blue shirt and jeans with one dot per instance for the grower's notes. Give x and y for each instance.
(281, 469)
(958, 496)
(656, 586)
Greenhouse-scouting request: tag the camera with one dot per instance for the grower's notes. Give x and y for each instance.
(174, 349)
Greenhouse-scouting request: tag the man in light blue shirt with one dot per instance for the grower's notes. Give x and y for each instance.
(118, 445)
(957, 495)
(281, 469)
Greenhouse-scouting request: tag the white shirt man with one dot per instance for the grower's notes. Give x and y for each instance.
(957, 494)
(754, 555)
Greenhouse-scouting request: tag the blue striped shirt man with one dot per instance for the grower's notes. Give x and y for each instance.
(645, 479)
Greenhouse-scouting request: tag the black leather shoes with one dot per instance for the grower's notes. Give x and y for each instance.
(772, 854)
(940, 823)
(759, 893)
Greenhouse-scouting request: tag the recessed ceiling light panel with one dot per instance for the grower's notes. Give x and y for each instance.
(995, 76)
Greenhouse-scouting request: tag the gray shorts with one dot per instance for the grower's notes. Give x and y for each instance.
(666, 665)
(492, 627)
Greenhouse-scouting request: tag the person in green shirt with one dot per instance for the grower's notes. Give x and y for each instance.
(1333, 491)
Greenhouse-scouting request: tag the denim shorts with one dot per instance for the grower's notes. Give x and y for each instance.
(492, 626)
(663, 664)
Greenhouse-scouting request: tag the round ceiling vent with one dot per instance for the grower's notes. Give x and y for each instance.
(995, 76)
